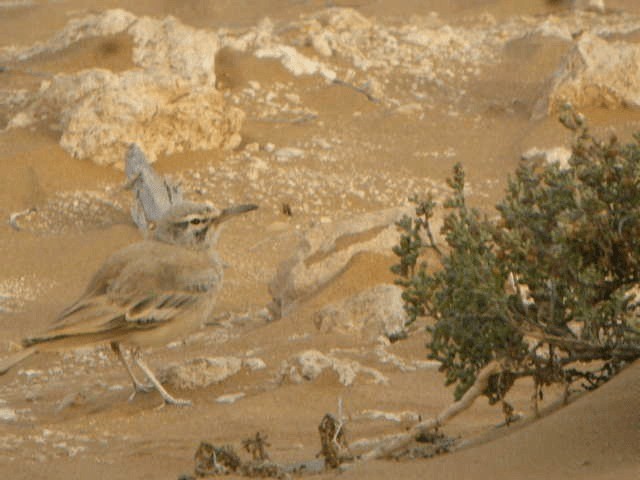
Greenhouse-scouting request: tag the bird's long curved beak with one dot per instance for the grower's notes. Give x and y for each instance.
(231, 212)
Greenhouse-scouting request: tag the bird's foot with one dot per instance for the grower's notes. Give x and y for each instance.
(178, 402)
(166, 396)
(141, 388)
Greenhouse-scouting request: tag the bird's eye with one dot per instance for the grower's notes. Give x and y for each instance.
(195, 221)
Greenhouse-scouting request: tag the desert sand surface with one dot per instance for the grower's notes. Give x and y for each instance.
(338, 111)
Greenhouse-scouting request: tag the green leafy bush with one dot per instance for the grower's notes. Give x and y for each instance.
(547, 286)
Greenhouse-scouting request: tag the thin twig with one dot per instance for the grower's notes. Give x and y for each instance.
(370, 97)
(304, 119)
(432, 241)
(23, 71)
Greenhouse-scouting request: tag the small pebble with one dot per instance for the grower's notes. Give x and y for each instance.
(230, 398)
(254, 363)
(252, 147)
(8, 415)
(289, 153)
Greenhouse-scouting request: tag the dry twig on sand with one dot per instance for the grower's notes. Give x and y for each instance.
(211, 460)
(256, 446)
(333, 439)
(403, 440)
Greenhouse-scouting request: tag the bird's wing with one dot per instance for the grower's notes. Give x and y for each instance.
(139, 287)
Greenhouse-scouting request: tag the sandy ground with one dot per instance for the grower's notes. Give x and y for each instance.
(72, 417)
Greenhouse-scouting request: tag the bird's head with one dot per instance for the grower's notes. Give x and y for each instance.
(194, 225)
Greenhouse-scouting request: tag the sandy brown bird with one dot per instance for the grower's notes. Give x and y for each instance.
(146, 294)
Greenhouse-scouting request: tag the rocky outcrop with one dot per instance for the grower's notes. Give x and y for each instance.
(168, 103)
(558, 155)
(202, 372)
(310, 364)
(325, 251)
(595, 73)
(374, 312)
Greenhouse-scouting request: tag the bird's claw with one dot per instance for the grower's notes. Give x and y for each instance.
(140, 388)
(177, 402)
(143, 387)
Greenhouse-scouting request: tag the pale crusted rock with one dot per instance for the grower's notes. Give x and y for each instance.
(11, 4)
(559, 155)
(109, 22)
(404, 365)
(426, 47)
(343, 30)
(8, 415)
(326, 249)
(167, 104)
(410, 109)
(297, 63)
(310, 364)
(200, 372)
(254, 363)
(161, 45)
(321, 44)
(230, 398)
(374, 312)
(397, 417)
(595, 73)
(289, 153)
(16, 292)
(256, 168)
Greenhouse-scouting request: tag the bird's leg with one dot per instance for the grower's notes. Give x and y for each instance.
(166, 396)
(138, 387)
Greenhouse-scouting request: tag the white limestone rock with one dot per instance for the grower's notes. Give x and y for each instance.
(310, 364)
(254, 363)
(326, 249)
(16, 4)
(595, 73)
(230, 398)
(200, 372)
(289, 153)
(173, 85)
(404, 365)
(559, 155)
(108, 22)
(371, 313)
(8, 415)
(294, 61)
(321, 44)
(396, 417)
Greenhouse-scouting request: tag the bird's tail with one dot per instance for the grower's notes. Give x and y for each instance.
(8, 363)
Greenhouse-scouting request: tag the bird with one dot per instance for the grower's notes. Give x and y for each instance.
(145, 294)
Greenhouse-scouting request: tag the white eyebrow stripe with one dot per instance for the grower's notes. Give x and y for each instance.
(192, 216)
(204, 218)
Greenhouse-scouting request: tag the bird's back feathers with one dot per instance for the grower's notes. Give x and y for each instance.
(139, 287)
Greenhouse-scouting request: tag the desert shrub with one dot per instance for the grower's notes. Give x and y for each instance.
(549, 287)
